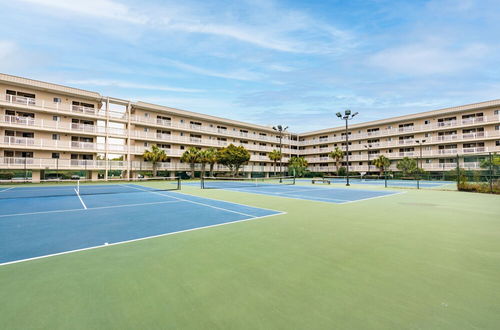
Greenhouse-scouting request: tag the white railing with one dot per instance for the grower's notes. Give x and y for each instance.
(398, 131)
(60, 125)
(473, 150)
(59, 107)
(19, 140)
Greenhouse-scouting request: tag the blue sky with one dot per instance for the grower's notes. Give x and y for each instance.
(269, 62)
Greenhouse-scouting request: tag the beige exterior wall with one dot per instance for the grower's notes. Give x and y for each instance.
(81, 127)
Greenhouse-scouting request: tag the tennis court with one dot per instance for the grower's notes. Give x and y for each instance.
(286, 187)
(49, 220)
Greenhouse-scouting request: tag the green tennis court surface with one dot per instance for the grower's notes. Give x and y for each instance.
(424, 259)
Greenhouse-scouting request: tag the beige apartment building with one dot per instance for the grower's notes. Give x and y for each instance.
(45, 126)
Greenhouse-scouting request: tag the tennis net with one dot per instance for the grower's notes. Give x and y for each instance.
(226, 183)
(54, 188)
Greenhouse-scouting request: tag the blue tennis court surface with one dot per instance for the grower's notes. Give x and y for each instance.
(335, 195)
(32, 227)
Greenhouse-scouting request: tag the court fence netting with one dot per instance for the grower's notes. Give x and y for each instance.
(235, 182)
(53, 188)
(473, 173)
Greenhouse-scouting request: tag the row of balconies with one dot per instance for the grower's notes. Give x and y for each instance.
(99, 130)
(60, 125)
(79, 164)
(408, 142)
(93, 112)
(404, 130)
(119, 148)
(425, 166)
(414, 154)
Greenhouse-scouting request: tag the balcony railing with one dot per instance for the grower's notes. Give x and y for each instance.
(60, 107)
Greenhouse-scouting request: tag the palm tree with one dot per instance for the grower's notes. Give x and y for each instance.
(211, 157)
(275, 156)
(337, 156)
(203, 158)
(191, 156)
(382, 163)
(154, 156)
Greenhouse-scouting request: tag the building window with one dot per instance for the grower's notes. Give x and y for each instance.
(56, 118)
(56, 137)
(146, 129)
(497, 143)
(497, 128)
(55, 155)
(427, 122)
(146, 115)
(57, 100)
(497, 112)
(428, 134)
(182, 147)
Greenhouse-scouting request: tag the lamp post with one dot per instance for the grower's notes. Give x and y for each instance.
(280, 129)
(420, 142)
(368, 147)
(347, 116)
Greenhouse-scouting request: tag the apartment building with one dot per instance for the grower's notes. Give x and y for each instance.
(45, 126)
(434, 137)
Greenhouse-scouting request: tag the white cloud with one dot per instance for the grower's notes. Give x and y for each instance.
(123, 84)
(244, 75)
(97, 8)
(429, 58)
(263, 25)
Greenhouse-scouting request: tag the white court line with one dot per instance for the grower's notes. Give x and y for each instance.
(187, 200)
(7, 189)
(315, 199)
(137, 239)
(80, 198)
(364, 199)
(91, 208)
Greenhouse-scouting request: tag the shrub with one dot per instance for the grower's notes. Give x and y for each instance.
(6, 175)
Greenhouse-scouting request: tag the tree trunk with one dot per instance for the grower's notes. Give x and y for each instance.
(275, 168)
(212, 170)
(203, 165)
(192, 170)
(154, 169)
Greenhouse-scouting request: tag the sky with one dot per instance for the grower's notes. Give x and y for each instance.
(294, 63)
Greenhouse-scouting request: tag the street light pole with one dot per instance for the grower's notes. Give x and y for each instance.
(280, 129)
(347, 116)
(368, 147)
(420, 142)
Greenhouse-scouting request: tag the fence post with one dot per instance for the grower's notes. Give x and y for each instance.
(491, 172)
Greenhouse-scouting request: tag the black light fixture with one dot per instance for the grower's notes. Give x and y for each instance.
(347, 116)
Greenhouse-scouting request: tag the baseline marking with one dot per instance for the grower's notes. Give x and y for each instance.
(136, 239)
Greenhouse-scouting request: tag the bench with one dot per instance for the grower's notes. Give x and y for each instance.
(320, 180)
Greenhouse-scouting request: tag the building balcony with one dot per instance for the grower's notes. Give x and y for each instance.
(58, 107)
